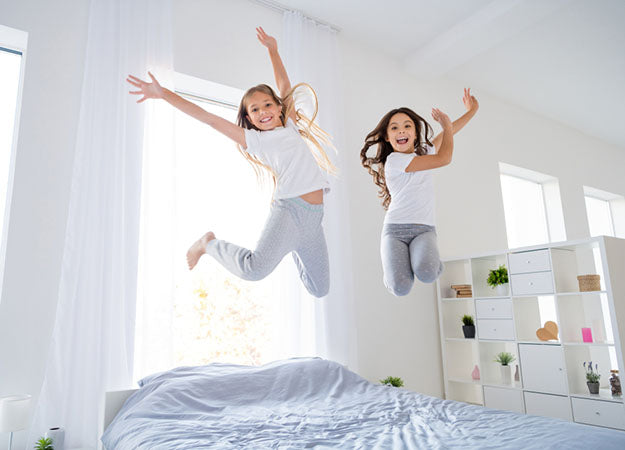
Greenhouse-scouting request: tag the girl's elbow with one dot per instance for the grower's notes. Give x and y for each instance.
(445, 161)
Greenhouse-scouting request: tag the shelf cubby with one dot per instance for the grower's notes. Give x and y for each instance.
(588, 310)
(465, 392)
(489, 369)
(460, 358)
(480, 268)
(531, 313)
(576, 355)
(452, 316)
(456, 272)
(571, 261)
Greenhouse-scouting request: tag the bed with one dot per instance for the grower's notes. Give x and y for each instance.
(316, 403)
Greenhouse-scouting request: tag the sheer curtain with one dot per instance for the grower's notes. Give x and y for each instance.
(91, 350)
(310, 53)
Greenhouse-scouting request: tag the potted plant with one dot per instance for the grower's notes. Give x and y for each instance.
(505, 358)
(468, 327)
(592, 377)
(498, 279)
(393, 381)
(44, 444)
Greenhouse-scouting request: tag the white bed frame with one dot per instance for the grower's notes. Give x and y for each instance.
(113, 401)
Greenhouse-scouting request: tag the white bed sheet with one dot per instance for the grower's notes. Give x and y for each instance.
(315, 403)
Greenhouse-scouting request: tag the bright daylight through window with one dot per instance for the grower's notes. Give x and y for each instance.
(216, 316)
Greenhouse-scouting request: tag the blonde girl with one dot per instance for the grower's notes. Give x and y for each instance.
(275, 138)
(402, 169)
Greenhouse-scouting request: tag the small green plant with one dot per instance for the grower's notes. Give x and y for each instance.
(467, 320)
(497, 276)
(592, 376)
(393, 381)
(44, 444)
(504, 358)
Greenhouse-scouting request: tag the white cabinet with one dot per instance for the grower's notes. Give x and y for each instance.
(597, 412)
(503, 398)
(558, 406)
(543, 368)
(543, 287)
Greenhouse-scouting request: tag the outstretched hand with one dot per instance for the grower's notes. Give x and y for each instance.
(148, 90)
(268, 41)
(470, 102)
(442, 118)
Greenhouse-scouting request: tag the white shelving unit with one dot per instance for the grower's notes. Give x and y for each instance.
(543, 286)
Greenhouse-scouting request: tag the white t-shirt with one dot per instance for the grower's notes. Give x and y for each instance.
(412, 193)
(286, 152)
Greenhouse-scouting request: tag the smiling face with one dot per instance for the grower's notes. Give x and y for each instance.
(263, 111)
(401, 133)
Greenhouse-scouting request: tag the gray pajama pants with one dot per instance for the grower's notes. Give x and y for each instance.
(293, 226)
(409, 250)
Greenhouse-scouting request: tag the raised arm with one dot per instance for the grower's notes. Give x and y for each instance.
(471, 104)
(156, 91)
(279, 71)
(443, 156)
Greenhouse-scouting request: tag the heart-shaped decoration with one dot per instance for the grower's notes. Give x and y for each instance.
(549, 332)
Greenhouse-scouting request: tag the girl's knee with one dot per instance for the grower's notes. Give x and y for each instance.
(256, 269)
(399, 289)
(429, 273)
(319, 291)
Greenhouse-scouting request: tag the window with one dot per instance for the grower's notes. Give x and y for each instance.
(12, 49)
(605, 211)
(212, 315)
(532, 207)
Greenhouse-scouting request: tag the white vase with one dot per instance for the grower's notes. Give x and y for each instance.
(501, 290)
(505, 374)
(57, 434)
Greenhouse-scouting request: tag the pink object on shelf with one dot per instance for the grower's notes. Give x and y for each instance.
(476, 373)
(586, 335)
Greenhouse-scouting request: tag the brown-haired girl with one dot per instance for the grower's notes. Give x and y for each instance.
(272, 135)
(402, 168)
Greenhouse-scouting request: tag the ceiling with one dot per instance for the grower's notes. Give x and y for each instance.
(563, 59)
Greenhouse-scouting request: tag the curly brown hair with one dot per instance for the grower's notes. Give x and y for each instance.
(375, 164)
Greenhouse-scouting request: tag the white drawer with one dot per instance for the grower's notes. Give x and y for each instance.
(596, 412)
(506, 399)
(548, 405)
(534, 261)
(493, 309)
(532, 283)
(500, 329)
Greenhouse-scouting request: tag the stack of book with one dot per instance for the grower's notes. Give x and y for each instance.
(462, 290)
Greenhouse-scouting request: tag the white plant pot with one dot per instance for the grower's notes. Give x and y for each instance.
(505, 374)
(501, 290)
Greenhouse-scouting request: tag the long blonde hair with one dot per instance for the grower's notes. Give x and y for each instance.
(308, 129)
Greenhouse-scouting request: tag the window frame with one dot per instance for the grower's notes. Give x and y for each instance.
(616, 209)
(13, 41)
(551, 204)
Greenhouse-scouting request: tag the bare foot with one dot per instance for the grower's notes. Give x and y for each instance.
(198, 249)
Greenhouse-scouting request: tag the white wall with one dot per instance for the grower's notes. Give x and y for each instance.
(51, 98)
(215, 40)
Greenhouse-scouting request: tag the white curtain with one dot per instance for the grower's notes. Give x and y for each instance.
(310, 53)
(91, 350)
